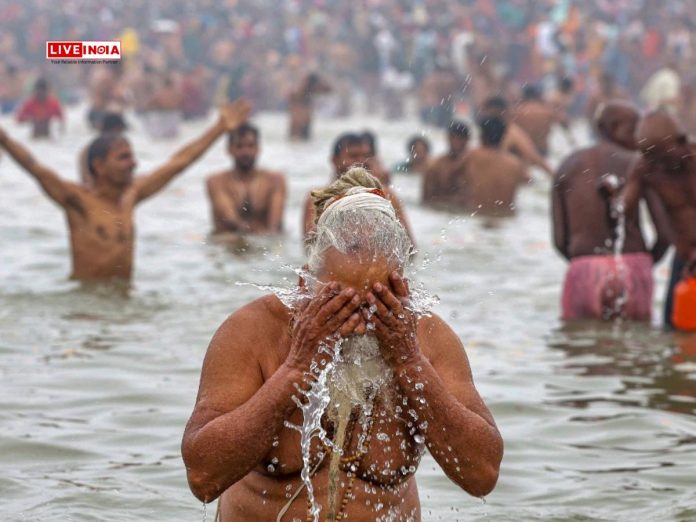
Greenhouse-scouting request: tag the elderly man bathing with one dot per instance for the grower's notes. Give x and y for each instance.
(419, 391)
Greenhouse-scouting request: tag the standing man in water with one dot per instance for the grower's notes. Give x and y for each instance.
(100, 217)
(585, 227)
(667, 170)
(490, 176)
(246, 199)
(40, 109)
(403, 384)
(301, 106)
(516, 140)
(440, 178)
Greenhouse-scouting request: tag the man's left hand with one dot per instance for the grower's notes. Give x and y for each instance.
(394, 324)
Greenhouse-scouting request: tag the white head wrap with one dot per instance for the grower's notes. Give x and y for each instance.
(358, 198)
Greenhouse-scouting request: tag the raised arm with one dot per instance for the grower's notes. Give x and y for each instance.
(53, 185)
(231, 116)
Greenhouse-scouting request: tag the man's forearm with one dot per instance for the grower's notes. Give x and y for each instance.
(18, 152)
(194, 150)
(225, 449)
(465, 445)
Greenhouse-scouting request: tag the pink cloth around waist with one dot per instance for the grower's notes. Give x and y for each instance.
(594, 284)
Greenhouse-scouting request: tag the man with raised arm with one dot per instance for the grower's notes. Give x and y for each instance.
(397, 382)
(100, 217)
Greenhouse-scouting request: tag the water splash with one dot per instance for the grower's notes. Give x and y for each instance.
(619, 215)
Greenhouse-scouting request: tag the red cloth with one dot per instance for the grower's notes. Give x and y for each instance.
(36, 110)
(593, 283)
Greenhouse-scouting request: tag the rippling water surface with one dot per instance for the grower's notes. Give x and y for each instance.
(96, 385)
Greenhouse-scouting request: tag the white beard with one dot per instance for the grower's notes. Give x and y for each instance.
(359, 374)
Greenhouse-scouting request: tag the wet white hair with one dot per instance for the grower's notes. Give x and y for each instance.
(354, 218)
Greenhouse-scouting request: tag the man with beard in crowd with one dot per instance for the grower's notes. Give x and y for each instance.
(246, 199)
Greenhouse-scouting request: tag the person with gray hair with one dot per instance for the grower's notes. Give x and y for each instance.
(391, 379)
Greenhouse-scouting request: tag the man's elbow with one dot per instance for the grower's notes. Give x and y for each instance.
(486, 479)
(201, 485)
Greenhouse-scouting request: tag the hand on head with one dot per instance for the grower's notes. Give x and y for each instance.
(235, 113)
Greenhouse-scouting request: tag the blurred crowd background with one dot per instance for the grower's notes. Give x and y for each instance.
(436, 57)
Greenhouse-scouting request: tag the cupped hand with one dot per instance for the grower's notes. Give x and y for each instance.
(322, 319)
(394, 324)
(235, 113)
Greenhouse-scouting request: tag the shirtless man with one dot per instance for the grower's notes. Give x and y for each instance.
(489, 176)
(301, 106)
(439, 177)
(371, 160)
(110, 123)
(163, 112)
(516, 140)
(667, 170)
(40, 109)
(100, 218)
(413, 389)
(106, 91)
(418, 160)
(349, 149)
(246, 199)
(537, 118)
(585, 228)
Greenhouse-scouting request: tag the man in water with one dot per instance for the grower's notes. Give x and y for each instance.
(516, 140)
(246, 199)
(585, 227)
(667, 170)
(536, 117)
(100, 217)
(301, 105)
(40, 109)
(402, 383)
(371, 160)
(349, 150)
(418, 149)
(439, 179)
(490, 176)
(110, 123)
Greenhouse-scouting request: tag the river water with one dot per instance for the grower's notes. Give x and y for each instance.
(96, 385)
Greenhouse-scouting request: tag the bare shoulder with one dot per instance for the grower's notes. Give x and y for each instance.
(272, 176)
(255, 322)
(572, 164)
(437, 337)
(216, 178)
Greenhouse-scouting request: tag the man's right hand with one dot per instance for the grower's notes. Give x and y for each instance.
(232, 115)
(329, 314)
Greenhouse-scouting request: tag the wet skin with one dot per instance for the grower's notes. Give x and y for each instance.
(440, 178)
(489, 182)
(583, 223)
(100, 217)
(250, 375)
(667, 170)
(246, 199)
